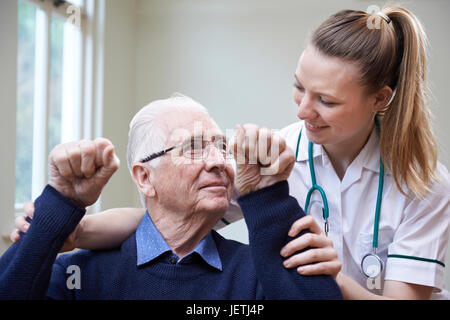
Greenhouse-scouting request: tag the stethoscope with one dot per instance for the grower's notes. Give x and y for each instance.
(371, 263)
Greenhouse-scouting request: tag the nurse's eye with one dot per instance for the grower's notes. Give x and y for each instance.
(326, 103)
(298, 87)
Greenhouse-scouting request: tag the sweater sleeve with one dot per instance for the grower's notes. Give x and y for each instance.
(25, 268)
(269, 214)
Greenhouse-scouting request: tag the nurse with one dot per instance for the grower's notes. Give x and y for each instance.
(364, 137)
(361, 96)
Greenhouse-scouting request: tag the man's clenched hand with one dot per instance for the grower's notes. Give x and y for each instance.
(262, 158)
(80, 170)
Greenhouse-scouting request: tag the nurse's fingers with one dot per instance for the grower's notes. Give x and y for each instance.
(21, 224)
(330, 268)
(307, 240)
(306, 222)
(28, 207)
(14, 236)
(311, 256)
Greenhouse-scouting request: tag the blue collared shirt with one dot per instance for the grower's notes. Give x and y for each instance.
(150, 245)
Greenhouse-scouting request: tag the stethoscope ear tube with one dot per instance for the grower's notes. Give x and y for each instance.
(376, 223)
(378, 206)
(315, 187)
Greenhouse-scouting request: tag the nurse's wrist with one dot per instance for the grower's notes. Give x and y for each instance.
(340, 279)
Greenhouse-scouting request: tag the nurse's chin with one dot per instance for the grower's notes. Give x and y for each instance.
(321, 138)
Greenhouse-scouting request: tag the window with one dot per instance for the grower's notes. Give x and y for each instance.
(25, 93)
(55, 85)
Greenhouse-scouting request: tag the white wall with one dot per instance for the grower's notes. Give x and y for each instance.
(8, 79)
(435, 18)
(119, 95)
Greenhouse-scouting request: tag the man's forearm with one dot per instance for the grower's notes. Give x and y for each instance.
(26, 266)
(269, 214)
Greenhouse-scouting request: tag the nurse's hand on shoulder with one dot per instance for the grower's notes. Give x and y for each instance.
(262, 158)
(321, 258)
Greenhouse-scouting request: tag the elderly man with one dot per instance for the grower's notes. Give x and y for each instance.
(177, 157)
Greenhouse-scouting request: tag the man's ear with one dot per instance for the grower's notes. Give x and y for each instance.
(382, 98)
(142, 177)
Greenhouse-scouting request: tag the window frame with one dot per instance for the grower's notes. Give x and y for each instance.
(88, 87)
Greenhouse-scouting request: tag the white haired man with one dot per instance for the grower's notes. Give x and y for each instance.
(177, 158)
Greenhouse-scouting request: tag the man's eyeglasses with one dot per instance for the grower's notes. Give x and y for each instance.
(195, 148)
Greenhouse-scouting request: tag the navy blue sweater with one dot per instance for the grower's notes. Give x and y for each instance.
(28, 269)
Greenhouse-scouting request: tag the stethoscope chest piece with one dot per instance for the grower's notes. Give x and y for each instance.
(371, 265)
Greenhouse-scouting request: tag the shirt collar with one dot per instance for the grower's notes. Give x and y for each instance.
(150, 244)
(370, 154)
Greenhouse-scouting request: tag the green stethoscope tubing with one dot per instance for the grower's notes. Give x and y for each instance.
(325, 210)
(315, 186)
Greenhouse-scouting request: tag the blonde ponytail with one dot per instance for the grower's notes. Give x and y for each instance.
(412, 157)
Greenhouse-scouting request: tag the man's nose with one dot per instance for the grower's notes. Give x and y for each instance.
(214, 158)
(306, 109)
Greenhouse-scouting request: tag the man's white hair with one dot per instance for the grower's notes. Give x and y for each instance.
(146, 135)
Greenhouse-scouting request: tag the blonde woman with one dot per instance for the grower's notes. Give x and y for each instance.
(366, 170)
